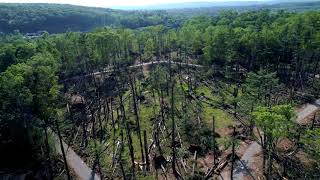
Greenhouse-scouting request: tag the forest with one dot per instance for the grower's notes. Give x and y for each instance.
(58, 18)
(230, 96)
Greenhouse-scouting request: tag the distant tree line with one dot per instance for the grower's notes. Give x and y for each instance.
(55, 18)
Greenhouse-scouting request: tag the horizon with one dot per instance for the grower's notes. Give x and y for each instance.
(122, 3)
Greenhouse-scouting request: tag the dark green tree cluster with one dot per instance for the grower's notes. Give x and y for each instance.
(285, 43)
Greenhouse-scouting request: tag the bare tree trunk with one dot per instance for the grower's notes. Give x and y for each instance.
(48, 151)
(313, 120)
(157, 139)
(84, 129)
(194, 162)
(233, 153)
(214, 141)
(62, 150)
(120, 156)
(146, 150)
(101, 134)
(264, 144)
(235, 104)
(131, 151)
(173, 164)
(113, 134)
(97, 160)
(167, 86)
(93, 121)
(269, 171)
(137, 117)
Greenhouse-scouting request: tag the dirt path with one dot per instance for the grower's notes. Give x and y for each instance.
(247, 162)
(109, 69)
(307, 110)
(247, 165)
(75, 163)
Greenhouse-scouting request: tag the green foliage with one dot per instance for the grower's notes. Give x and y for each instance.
(57, 18)
(216, 43)
(149, 49)
(29, 92)
(273, 46)
(311, 140)
(275, 121)
(260, 85)
(316, 86)
(197, 133)
(257, 90)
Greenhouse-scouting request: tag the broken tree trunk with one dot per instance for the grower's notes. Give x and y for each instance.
(62, 150)
(214, 141)
(173, 163)
(135, 108)
(131, 150)
(233, 153)
(194, 162)
(146, 150)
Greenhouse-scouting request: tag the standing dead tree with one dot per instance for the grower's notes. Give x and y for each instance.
(135, 108)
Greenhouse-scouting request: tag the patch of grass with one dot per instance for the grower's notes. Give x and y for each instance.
(146, 113)
(223, 119)
(207, 92)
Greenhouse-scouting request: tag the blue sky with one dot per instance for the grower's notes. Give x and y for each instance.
(114, 3)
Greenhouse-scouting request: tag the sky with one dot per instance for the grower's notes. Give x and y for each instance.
(114, 3)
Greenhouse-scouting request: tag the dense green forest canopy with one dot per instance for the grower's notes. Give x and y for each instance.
(255, 65)
(55, 18)
(274, 6)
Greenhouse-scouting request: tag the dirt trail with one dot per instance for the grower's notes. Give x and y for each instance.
(247, 162)
(307, 110)
(75, 163)
(247, 165)
(109, 69)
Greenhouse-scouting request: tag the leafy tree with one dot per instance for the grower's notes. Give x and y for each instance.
(28, 93)
(7, 57)
(275, 122)
(258, 88)
(149, 49)
(217, 40)
(311, 142)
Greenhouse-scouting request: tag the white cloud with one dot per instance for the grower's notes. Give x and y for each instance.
(112, 3)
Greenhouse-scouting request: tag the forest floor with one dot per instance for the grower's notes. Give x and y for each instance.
(250, 150)
(80, 165)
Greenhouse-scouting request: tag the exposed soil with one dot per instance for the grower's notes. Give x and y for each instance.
(306, 112)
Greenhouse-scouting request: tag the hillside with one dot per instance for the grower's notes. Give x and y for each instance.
(58, 18)
(220, 4)
(294, 6)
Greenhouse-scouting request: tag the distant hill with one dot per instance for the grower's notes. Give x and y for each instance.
(191, 5)
(293, 6)
(58, 18)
